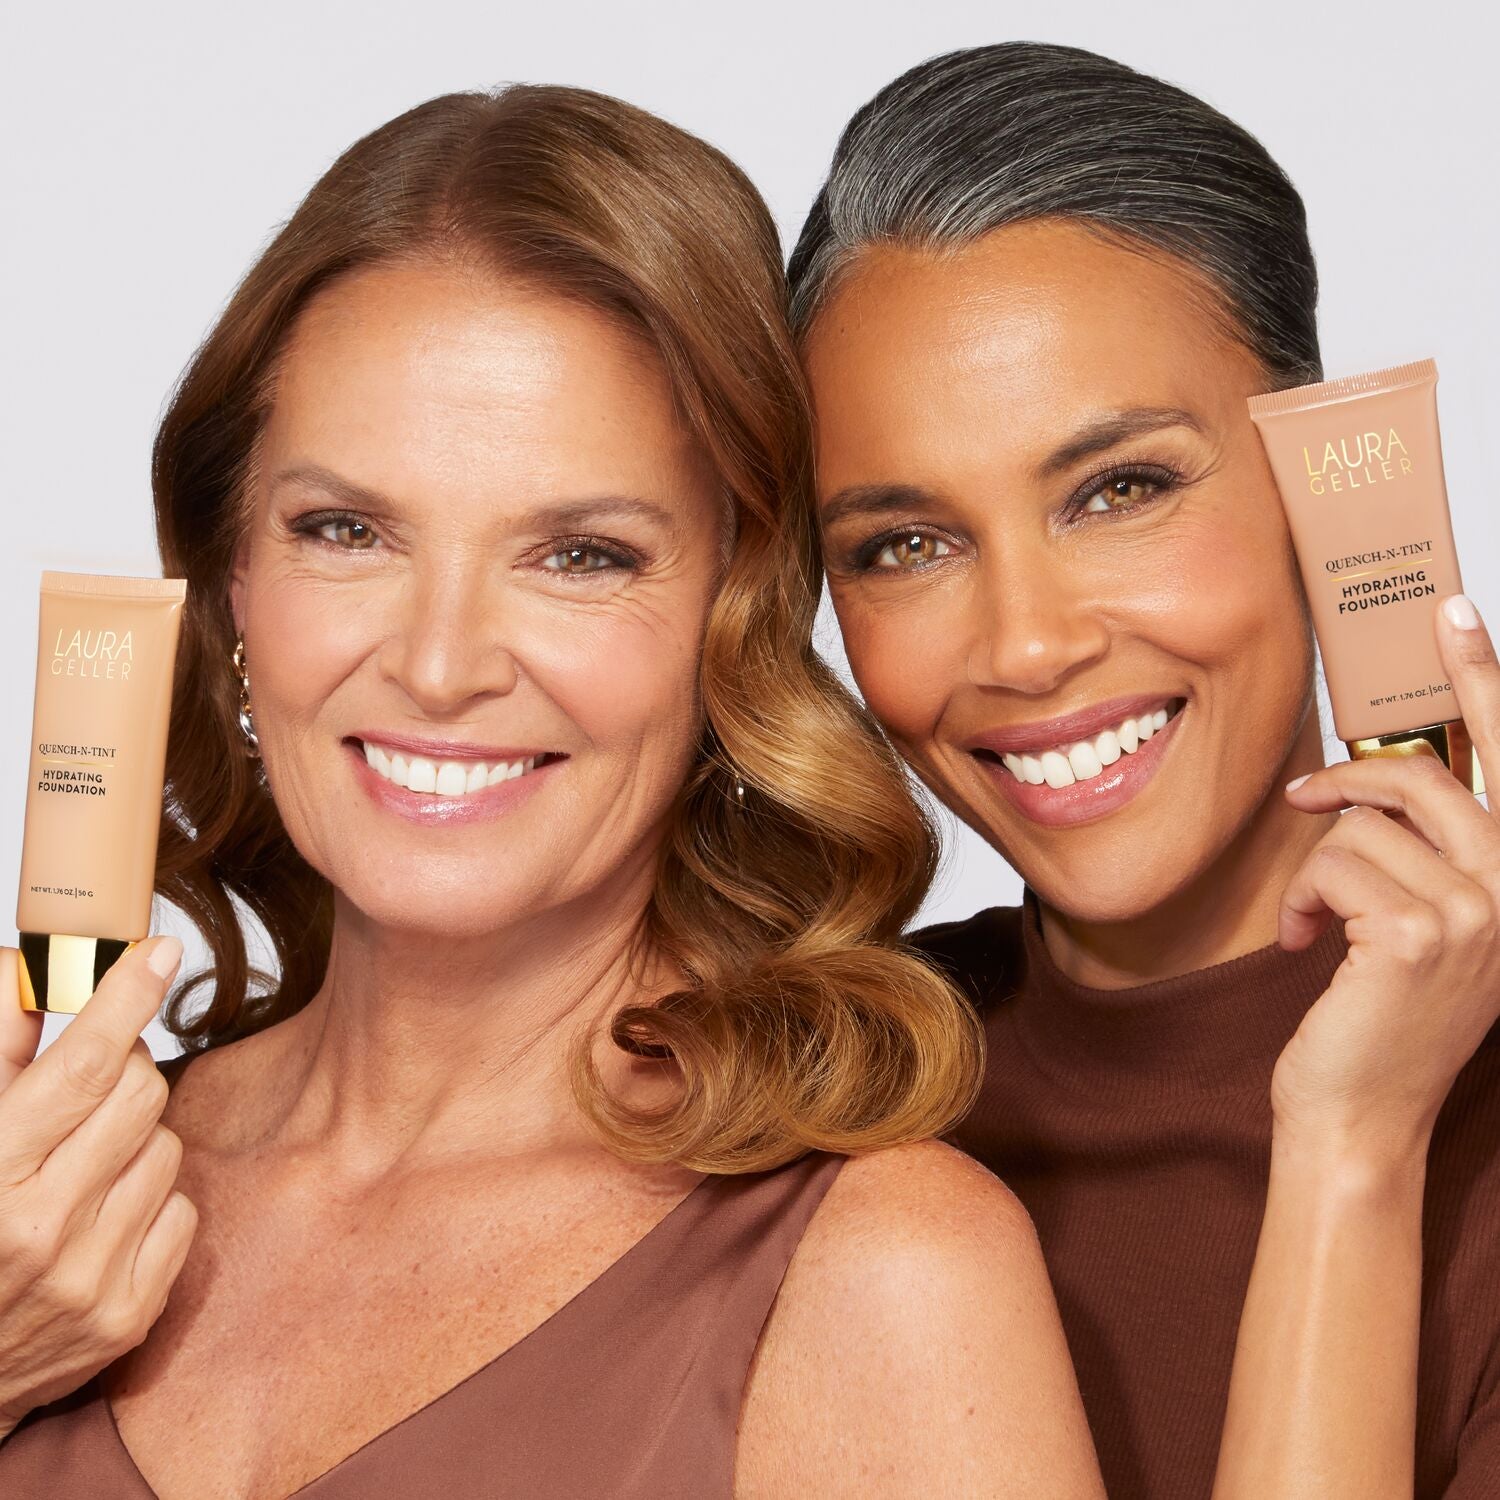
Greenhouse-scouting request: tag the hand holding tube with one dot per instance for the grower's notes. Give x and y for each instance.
(1324, 1389)
(92, 1230)
(1413, 867)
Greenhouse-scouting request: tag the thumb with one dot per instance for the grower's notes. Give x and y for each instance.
(20, 1030)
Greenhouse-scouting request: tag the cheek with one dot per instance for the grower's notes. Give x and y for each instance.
(621, 678)
(625, 674)
(902, 642)
(306, 640)
(1225, 593)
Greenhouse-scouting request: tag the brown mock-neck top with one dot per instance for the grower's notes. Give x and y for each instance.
(631, 1390)
(1135, 1125)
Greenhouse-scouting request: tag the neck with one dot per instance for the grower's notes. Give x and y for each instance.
(419, 1044)
(1228, 910)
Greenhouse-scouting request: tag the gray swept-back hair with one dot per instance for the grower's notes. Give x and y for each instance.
(989, 136)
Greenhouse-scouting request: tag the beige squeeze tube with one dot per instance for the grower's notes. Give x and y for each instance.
(1359, 465)
(106, 650)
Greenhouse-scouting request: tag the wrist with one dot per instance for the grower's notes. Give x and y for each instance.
(1355, 1159)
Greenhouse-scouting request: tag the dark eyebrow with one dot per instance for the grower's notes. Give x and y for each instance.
(564, 515)
(316, 477)
(578, 515)
(873, 500)
(1114, 428)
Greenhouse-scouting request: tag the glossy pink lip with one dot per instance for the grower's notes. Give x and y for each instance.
(1110, 790)
(436, 749)
(429, 809)
(1067, 729)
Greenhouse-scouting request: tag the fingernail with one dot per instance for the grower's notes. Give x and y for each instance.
(165, 955)
(1292, 786)
(1461, 612)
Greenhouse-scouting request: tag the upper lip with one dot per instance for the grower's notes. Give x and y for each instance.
(438, 749)
(1067, 728)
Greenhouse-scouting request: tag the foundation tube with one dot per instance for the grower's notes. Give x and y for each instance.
(1359, 465)
(105, 655)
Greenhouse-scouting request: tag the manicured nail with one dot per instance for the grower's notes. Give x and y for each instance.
(1292, 786)
(1461, 612)
(165, 955)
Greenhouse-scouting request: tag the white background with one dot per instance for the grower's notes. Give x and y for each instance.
(150, 150)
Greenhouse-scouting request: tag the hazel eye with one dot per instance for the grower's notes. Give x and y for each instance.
(359, 536)
(1121, 494)
(910, 550)
(580, 560)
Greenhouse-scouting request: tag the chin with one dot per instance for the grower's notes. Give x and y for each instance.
(1103, 896)
(449, 912)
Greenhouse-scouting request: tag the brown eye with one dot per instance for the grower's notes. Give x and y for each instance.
(911, 550)
(579, 560)
(360, 535)
(1121, 494)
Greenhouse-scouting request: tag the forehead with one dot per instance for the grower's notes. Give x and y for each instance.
(400, 365)
(1007, 338)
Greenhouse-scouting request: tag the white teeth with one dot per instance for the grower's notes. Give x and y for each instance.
(1056, 769)
(452, 779)
(1085, 759)
(447, 778)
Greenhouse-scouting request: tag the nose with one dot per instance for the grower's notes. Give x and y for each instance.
(1031, 625)
(449, 643)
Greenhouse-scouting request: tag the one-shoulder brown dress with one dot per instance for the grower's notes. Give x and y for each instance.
(629, 1391)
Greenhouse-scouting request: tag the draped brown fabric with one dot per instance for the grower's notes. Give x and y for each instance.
(632, 1389)
(1135, 1125)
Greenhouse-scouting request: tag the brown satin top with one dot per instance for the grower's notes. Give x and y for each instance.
(630, 1390)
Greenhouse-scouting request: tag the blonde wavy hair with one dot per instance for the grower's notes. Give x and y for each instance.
(805, 1023)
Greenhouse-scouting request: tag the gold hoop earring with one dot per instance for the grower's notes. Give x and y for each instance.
(247, 724)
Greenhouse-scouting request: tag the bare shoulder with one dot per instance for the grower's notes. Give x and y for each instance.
(926, 1198)
(915, 1346)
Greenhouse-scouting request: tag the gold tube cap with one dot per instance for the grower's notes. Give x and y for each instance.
(60, 971)
(1449, 742)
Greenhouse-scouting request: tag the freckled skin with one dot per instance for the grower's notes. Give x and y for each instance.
(958, 374)
(468, 401)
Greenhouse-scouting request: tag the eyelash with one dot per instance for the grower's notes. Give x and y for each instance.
(618, 557)
(1161, 478)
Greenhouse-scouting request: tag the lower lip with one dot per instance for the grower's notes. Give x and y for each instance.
(1110, 790)
(429, 808)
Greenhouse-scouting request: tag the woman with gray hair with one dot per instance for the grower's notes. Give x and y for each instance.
(1240, 1041)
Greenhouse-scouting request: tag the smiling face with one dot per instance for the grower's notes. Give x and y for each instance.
(479, 560)
(1043, 499)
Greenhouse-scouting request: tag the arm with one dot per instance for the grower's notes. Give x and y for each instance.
(1323, 1392)
(915, 1349)
(1322, 1399)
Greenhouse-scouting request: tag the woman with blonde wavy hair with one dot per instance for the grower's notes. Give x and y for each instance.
(578, 1140)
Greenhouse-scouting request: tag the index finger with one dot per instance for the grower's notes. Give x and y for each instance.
(64, 1086)
(1468, 654)
(20, 1030)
